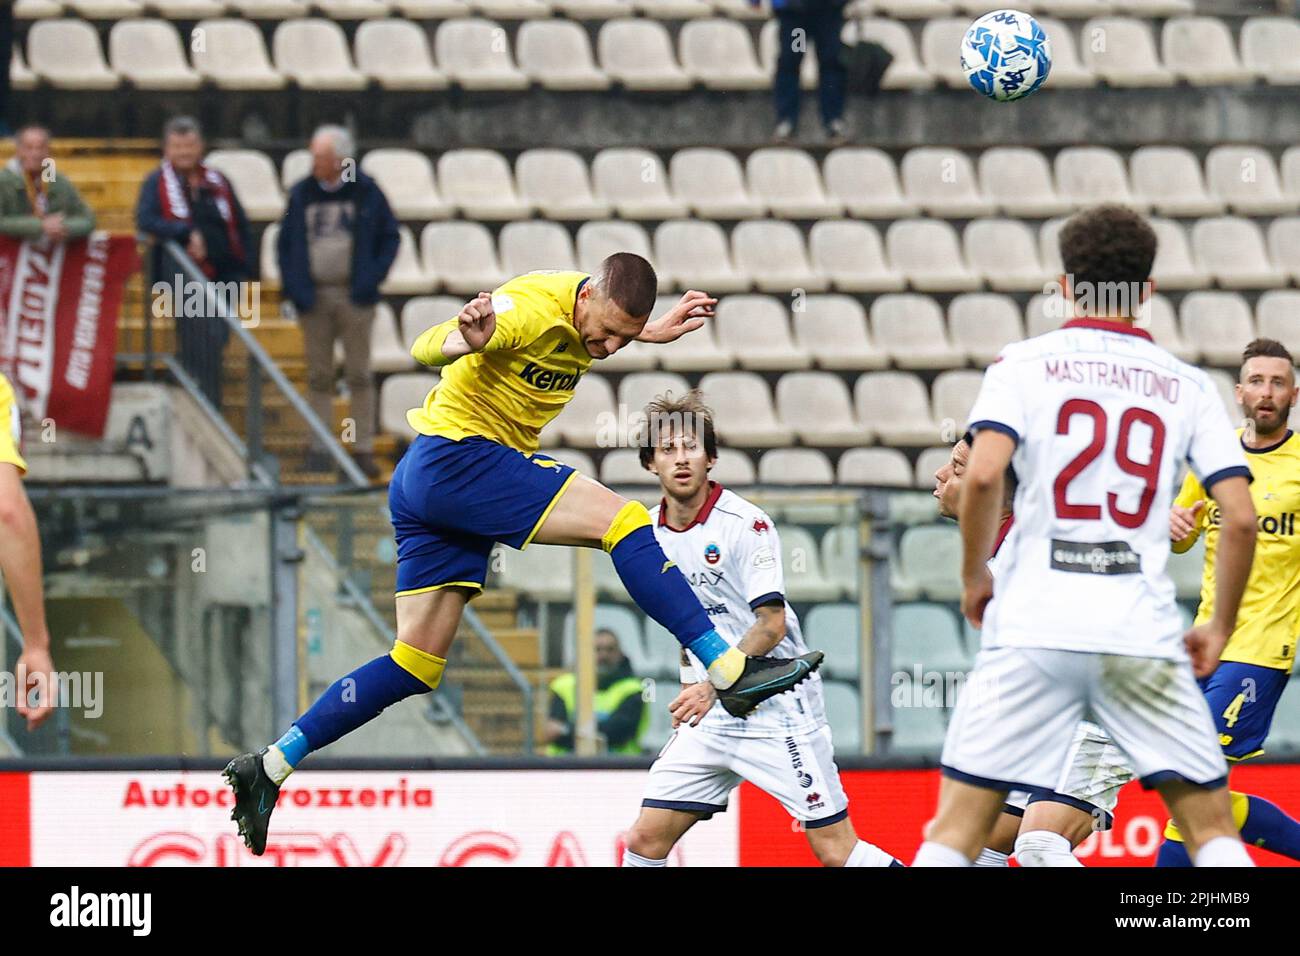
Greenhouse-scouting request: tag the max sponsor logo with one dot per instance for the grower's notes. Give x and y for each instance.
(1102, 557)
(75, 909)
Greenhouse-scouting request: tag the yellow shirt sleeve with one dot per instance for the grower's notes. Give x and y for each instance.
(1188, 495)
(10, 427)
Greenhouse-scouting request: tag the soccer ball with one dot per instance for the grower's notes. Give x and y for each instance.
(1006, 55)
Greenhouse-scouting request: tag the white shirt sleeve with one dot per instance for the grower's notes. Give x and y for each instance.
(759, 553)
(1000, 405)
(1215, 448)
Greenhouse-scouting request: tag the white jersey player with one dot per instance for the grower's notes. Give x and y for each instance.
(1096, 420)
(729, 550)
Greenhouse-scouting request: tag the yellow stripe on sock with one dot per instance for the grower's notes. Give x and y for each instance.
(418, 663)
(1240, 810)
(631, 517)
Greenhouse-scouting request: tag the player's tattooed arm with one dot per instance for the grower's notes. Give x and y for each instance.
(767, 631)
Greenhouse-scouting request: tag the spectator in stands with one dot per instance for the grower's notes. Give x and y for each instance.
(801, 22)
(35, 201)
(194, 205)
(621, 713)
(337, 242)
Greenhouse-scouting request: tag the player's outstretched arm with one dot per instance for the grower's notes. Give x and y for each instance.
(1236, 552)
(979, 514)
(686, 316)
(20, 562)
(470, 331)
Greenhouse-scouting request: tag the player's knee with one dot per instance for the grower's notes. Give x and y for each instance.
(1044, 848)
(649, 841)
(632, 516)
(425, 667)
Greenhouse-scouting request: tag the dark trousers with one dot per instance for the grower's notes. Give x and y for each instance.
(820, 22)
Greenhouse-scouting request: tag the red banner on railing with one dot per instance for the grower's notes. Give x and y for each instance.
(59, 304)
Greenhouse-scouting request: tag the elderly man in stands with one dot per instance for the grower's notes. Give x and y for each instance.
(337, 242)
(195, 205)
(35, 201)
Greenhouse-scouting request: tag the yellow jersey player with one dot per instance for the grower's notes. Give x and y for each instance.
(20, 562)
(473, 477)
(1244, 690)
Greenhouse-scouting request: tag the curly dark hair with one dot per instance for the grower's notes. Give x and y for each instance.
(666, 412)
(1107, 251)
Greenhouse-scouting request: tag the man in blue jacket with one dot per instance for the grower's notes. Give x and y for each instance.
(336, 244)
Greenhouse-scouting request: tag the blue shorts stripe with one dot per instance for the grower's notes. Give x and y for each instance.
(833, 819)
(1051, 796)
(686, 806)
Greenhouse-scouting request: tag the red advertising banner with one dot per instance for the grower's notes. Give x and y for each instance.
(59, 304)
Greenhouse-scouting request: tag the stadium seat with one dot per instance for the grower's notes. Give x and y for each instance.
(622, 467)
(743, 410)
(270, 9)
(1277, 315)
(833, 330)
(981, 324)
(887, 467)
(1284, 245)
(395, 54)
(1068, 71)
(423, 312)
(1185, 569)
(187, 9)
(696, 253)
(1284, 733)
(252, 176)
(789, 183)
(20, 75)
(590, 412)
(905, 71)
(398, 394)
(1019, 181)
(756, 328)
(479, 182)
(696, 352)
(795, 466)
(1168, 179)
(66, 54)
(844, 707)
(354, 9)
(407, 275)
(767, 54)
(148, 54)
(1174, 267)
(105, 9)
(866, 182)
(638, 54)
(432, 9)
(943, 183)
(234, 58)
(295, 168)
(928, 462)
(927, 637)
(1270, 48)
(917, 730)
(268, 266)
(850, 254)
(952, 397)
(739, 10)
(1149, 9)
(633, 357)
(1225, 384)
(1088, 175)
(914, 9)
(910, 328)
(818, 406)
(772, 256)
(1200, 51)
(1159, 319)
(314, 54)
(1291, 173)
(594, 9)
(557, 54)
(734, 469)
(1045, 313)
(37, 9)
(635, 183)
(1049, 246)
(931, 556)
(475, 54)
(1005, 252)
(928, 253)
(711, 182)
(1121, 51)
(896, 406)
(542, 572)
(719, 54)
(1218, 325)
(387, 354)
(638, 389)
(513, 9)
(836, 630)
(801, 563)
(530, 246)
(406, 177)
(578, 460)
(842, 561)
(599, 240)
(1232, 250)
(940, 50)
(462, 255)
(1246, 179)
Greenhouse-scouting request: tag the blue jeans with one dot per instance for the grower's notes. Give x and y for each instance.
(820, 22)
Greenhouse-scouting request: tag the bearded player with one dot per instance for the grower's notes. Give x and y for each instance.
(729, 550)
(510, 362)
(1244, 690)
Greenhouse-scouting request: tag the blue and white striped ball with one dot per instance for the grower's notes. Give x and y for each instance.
(1006, 55)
